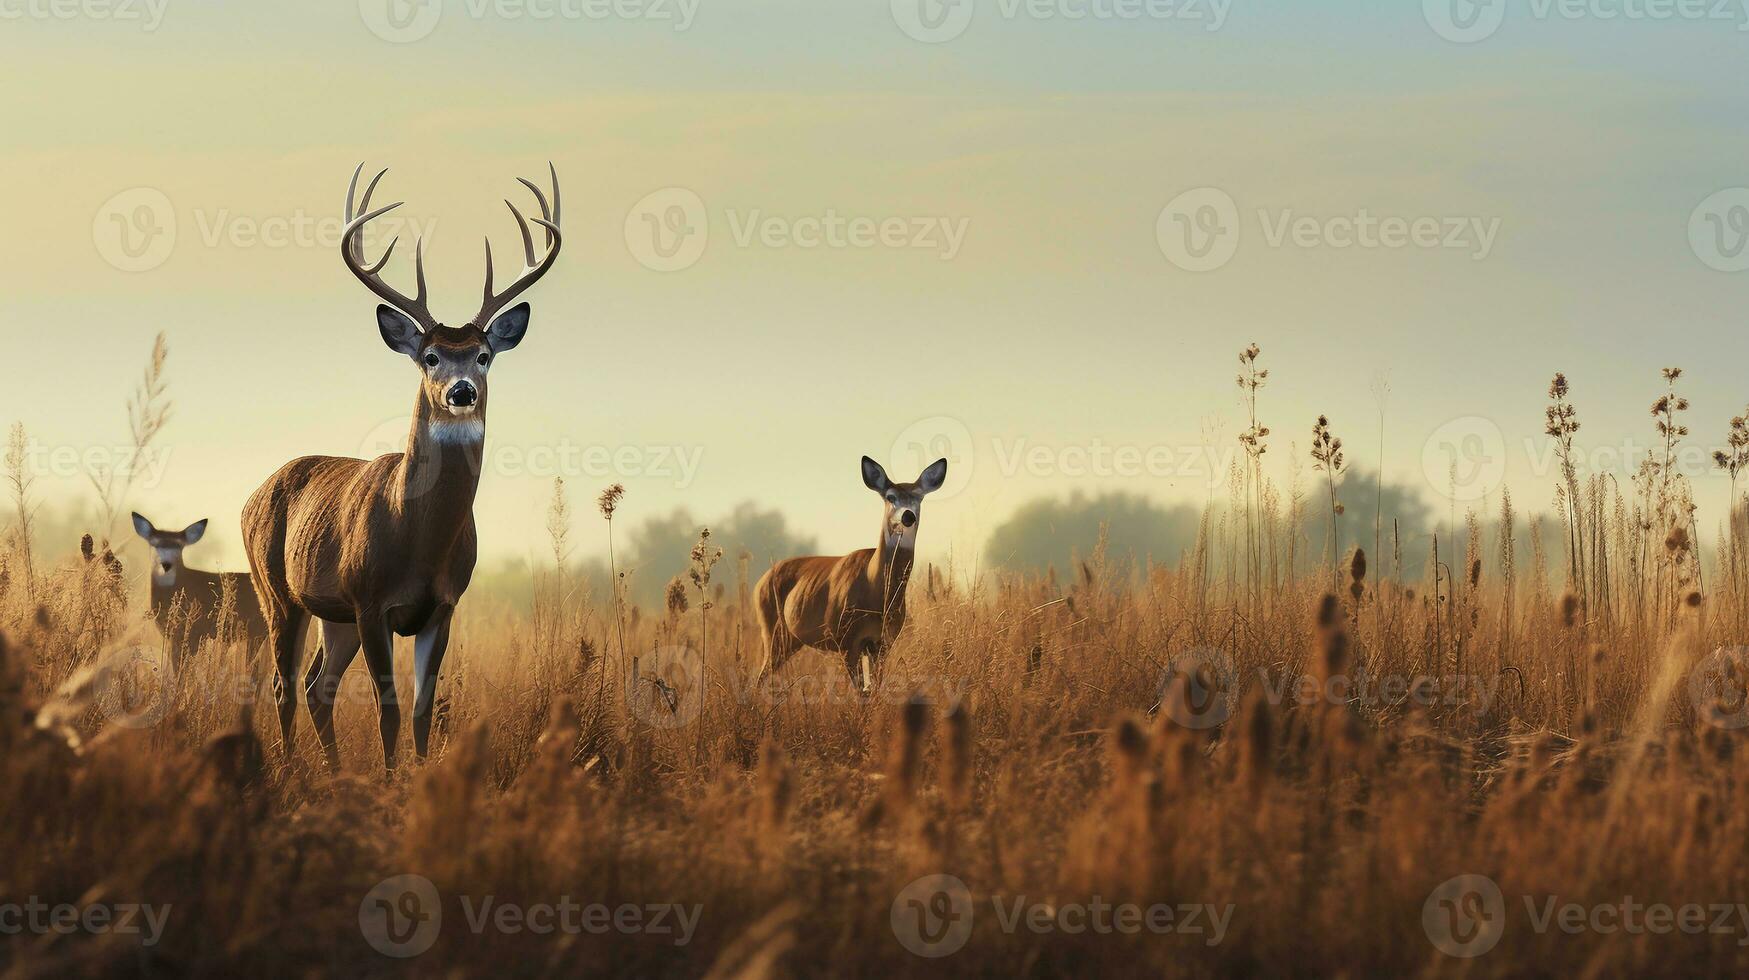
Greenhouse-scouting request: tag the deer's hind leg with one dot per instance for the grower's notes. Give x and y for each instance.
(340, 643)
(779, 643)
(287, 627)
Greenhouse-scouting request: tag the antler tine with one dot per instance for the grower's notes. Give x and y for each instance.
(488, 302)
(527, 239)
(551, 214)
(419, 268)
(549, 220)
(352, 252)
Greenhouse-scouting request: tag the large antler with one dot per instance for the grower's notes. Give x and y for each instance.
(533, 269)
(352, 250)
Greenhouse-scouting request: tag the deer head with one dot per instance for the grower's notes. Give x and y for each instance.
(904, 501)
(452, 361)
(167, 548)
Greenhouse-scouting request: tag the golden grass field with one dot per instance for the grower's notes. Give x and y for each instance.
(1304, 752)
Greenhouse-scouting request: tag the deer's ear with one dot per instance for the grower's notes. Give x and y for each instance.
(143, 527)
(192, 532)
(933, 477)
(399, 331)
(507, 329)
(874, 477)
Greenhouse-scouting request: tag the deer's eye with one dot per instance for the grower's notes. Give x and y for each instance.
(430, 358)
(483, 358)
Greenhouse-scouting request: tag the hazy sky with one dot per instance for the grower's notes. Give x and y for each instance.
(798, 232)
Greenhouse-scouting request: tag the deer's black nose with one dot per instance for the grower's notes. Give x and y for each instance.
(907, 518)
(462, 394)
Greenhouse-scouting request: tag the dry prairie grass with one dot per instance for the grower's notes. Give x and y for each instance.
(1313, 750)
(795, 817)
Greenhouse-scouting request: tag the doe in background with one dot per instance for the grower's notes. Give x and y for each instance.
(190, 605)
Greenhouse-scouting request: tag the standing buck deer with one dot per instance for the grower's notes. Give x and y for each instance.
(385, 547)
(190, 605)
(852, 605)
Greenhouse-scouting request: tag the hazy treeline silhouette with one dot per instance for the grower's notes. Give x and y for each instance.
(1061, 531)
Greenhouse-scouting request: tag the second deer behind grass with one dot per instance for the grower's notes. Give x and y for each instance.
(852, 605)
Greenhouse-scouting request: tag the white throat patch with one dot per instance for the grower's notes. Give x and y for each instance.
(452, 432)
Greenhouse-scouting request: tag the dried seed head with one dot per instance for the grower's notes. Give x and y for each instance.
(609, 500)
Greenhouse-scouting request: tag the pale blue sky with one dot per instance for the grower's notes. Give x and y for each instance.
(1060, 322)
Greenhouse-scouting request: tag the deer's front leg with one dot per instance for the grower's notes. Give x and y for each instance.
(859, 661)
(379, 656)
(428, 651)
